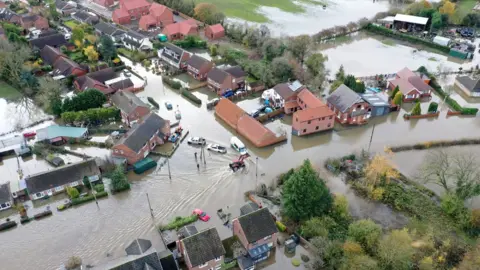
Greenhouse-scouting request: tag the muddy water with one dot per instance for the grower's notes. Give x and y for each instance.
(18, 114)
(315, 18)
(92, 232)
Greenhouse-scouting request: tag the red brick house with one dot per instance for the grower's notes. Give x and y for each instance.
(313, 116)
(131, 107)
(137, 143)
(34, 21)
(104, 80)
(198, 67)
(175, 56)
(221, 80)
(288, 92)
(104, 3)
(202, 250)
(257, 232)
(159, 15)
(64, 66)
(348, 106)
(412, 85)
(50, 54)
(130, 10)
(215, 31)
(180, 30)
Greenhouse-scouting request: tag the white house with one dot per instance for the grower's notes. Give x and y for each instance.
(135, 41)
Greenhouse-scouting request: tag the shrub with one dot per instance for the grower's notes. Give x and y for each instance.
(432, 108)
(170, 82)
(99, 188)
(179, 222)
(417, 110)
(296, 262)
(280, 226)
(153, 102)
(72, 192)
(88, 198)
(377, 194)
(191, 97)
(191, 42)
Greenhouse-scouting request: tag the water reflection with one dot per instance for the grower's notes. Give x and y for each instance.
(19, 113)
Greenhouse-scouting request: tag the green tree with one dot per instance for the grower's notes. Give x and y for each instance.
(398, 99)
(281, 70)
(78, 35)
(351, 82)
(394, 92)
(119, 179)
(316, 63)
(340, 75)
(208, 13)
(335, 85)
(305, 195)
(272, 48)
(366, 232)
(328, 254)
(53, 11)
(107, 49)
(314, 227)
(395, 250)
(49, 95)
(86, 182)
(360, 262)
(417, 110)
(360, 87)
(432, 107)
(73, 192)
(300, 47)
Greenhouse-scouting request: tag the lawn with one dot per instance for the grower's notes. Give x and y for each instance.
(247, 9)
(464, 7)
(8, 92)
(71, 24)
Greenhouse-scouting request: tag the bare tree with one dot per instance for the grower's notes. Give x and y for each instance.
(73, 262)
(455, 172)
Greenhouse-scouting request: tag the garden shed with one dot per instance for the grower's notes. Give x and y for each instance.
(441, 40)
(144, 165)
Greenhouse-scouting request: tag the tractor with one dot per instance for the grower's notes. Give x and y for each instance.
(239, 163)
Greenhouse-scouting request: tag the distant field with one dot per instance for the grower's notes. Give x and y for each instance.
(7, 91)
(247, 9)
(466, 6)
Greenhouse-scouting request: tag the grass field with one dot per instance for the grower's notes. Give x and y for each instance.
(464, 7)
(71, 24)
(247, 9)
(8, 92)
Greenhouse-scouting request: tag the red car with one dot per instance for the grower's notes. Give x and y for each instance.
(201, 215)
(29, 134)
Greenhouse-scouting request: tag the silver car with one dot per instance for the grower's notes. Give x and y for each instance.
(217, 148)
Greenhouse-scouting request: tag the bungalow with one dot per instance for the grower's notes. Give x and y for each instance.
(104, 80)
(411, 85)
(131, 107)
(198, 67)
(135, 41)
(56, 40)
(288, 93)
(6, 200)
(135, 145)
(57, 134)
(85, 17)
(203, 250)
(50, 55)
(130, 10)
(159, 16)
(313, 116)
(348, 106)
(104, 3)
(34, 21)
(64, 67)
(469, 85)
(57, 180)
(103, 28)
(215, 31)
(65, 8)
(180, 30)
(257, 232)
(174, 56)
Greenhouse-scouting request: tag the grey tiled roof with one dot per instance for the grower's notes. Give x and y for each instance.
(197, 61)
(343, 98)
(138, 246)
(203, 247)
(61, 176)
(149, 261)
(49, 54)
(5, 194)
(236, 71)
(248, 208)
(56, 40)
(257, 225)
(127, 101)
(470, 83)
(217, 75)
(172, 53)
(141, 133)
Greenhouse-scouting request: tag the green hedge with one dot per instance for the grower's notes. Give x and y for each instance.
(170, 82)
(191, 97)
(88, 198)
(399, 35)
(179, 222)
(450, 101)
(153, 102)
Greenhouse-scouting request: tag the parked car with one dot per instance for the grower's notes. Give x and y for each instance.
(228, 93)
(29, 135)
(168, 105)
(238, 146)
(217, 148)
(196, 141)
(201, 215)
(127, 73)
(173, 138)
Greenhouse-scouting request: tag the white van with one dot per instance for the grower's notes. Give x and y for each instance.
(238, 146)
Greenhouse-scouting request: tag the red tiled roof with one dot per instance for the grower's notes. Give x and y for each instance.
(157, 9)
(217, 28)
(120, 13)
(147, 20)
(405, 73)
(313, 113)
(181, 27)
(309, 99)
(229, 112)
(404, 85)
(133, 4)
(2, 5)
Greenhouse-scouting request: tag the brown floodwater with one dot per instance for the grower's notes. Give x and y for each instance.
(98, 234)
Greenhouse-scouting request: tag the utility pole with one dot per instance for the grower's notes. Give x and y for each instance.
(371, 138)
(149, 206)
(256, 174)
(94, 196)
(204, 157)
(168, 165)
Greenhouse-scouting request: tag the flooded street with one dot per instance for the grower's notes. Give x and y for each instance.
(100, 234)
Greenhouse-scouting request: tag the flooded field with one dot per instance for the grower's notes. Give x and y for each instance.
(18, 114)
(100, 234)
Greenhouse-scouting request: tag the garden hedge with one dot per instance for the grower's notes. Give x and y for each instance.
(153, 102)
(399, 35)
(170, 82)
(88, 198)
(191, 97)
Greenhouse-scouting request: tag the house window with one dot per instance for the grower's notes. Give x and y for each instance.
(305, 130)
(116, 150)
(218, 259)
(121, 151)
(296, 119)
(203, 265)
(359, 106)
(329, 125)
(309, 121)
(323, 118)
(330, 117)
(58, 189)
(316, 128)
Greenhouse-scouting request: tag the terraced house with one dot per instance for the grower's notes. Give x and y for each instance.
(174, 56)
(198, 67)
(203, 250)
(131, 107)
